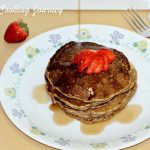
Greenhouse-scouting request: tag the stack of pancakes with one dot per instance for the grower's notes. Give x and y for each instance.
(89, 98)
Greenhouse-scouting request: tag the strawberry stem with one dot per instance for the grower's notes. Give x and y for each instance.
(24, 26)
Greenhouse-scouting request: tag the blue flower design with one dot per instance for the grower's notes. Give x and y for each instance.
(116, 37)
(55, 38)
(15, 68)
(62, 141)
(18, 113)
(128, 138)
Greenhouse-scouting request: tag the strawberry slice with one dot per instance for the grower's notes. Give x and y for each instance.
(85, 63)
(100, 66)
(77, 59)
(82, 55)
(109, 53)
(93, 65)
(106, 63)
(84, 59)
(111, 57)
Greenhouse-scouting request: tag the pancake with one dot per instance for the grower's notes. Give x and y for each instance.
(89, 98)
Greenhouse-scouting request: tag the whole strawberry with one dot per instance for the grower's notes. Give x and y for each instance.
(16, 32)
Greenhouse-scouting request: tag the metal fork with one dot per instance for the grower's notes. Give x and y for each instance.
(136, 22)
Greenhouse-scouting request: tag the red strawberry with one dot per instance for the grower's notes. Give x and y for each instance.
(110, 56)
(82, 54)
(107, 52)
(106, 63)
(84, 59)
(85, 63)
(76, 59)
(93, 65)
(100, 66)
(16, 32)
(93, 61)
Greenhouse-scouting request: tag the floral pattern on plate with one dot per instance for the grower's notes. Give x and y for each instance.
(116, 37)
(18, 113)
(141, 46)
(11, 92)
(98, 145)
(55, 39)
(62, 141)
(128, 138)
(36, 131)
(31, 51)
(15, 68)
(83, 34)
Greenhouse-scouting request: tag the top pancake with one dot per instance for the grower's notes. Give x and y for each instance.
(66, 78)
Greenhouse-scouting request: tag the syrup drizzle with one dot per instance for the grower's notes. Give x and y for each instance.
(129, 114)
(40, 95)
(59, 117)
(126, 116)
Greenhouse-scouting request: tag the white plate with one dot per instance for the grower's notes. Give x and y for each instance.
(25, 69)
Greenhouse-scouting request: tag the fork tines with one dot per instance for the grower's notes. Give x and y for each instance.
(134, 20)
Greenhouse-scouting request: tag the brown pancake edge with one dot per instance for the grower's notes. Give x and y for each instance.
(90, 119)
